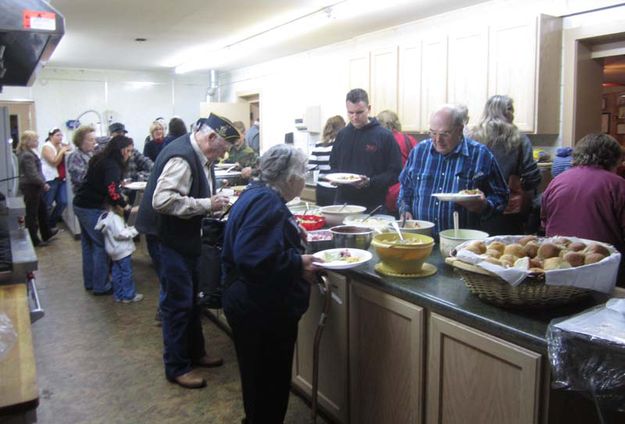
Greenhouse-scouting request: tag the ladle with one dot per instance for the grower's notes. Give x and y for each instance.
(456, 223)
(370, 214)
(396, 227)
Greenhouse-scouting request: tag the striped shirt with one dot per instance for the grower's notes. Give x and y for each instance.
(469, 166)
(320, 156)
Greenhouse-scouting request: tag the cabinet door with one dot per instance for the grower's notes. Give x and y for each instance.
(332, 393)
(474, 377)
(468, 70)
(410, 87)
(434, 78)
(385, 342)
(358, 68)
(513, 68)
(384, 80)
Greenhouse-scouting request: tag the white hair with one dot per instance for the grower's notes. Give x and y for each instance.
(280, 163)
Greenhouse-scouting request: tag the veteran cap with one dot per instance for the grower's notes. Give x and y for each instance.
(221, 126)
(117, 127)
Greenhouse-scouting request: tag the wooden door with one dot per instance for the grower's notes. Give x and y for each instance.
(433, 78)
(410, 86)
(384, 80)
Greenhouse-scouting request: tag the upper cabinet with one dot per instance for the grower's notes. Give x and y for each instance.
(467, 81)
(517, 57)
(384, 79)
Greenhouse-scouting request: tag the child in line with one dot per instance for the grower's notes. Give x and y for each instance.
(119, 246)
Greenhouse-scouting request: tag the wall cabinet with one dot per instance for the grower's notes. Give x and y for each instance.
(474, 377)
(384, 80)
(359, 72)
(433, 78)
(385, 345)
(409, 97)
(333, 370)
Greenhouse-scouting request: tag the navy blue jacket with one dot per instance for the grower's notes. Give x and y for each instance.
(262, 254)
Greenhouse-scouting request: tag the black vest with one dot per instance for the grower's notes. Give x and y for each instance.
(182, 235)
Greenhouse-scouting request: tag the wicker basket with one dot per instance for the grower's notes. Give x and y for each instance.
(531, 293)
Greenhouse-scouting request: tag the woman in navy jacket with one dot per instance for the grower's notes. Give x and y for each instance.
(267, 282)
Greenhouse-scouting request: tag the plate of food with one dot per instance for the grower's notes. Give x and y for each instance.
(226, 174)
(223, 165)
(343, 178)
(460, 196)
(136, 185)
(342, 258)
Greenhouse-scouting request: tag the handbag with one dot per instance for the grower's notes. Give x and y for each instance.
(210, 287)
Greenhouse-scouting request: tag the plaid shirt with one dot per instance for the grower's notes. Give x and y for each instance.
(77, 165)
(138, 167)
(469, 166)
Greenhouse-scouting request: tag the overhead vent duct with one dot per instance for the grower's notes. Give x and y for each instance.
(30, 30)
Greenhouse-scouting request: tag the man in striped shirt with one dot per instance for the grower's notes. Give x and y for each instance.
(448, 162)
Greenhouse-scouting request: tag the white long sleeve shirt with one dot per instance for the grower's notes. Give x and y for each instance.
(117, 235)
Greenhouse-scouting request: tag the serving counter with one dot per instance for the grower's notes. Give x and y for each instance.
(413, 350)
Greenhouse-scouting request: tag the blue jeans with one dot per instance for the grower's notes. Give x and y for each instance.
(182, 325)
(95, 268)
(123, 283)
(57, 195)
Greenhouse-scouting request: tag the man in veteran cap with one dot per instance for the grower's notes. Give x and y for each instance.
(179, 193)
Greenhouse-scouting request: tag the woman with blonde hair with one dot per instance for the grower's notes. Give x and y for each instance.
(33, 185)
(514, 155)
(156, 142)
(320, 156)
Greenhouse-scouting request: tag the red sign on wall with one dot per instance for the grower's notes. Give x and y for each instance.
(37, 19)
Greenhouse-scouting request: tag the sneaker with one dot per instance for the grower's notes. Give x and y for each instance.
(138, 298)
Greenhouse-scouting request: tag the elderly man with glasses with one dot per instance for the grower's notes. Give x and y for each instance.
(179, 193)
(448, 162)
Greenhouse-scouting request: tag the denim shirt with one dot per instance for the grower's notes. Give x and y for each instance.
(469, 166)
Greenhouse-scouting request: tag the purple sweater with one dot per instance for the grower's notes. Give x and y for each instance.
(586, 202)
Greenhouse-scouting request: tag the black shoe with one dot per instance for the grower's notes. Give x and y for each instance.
(53, 233)
(104, 293)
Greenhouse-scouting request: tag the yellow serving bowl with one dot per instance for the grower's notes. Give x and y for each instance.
(403, 258)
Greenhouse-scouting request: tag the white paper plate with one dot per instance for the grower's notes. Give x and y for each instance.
(362, 255)
(342, 178)
(224, 174)
(455, 197)
(224, 165)
(136, 185)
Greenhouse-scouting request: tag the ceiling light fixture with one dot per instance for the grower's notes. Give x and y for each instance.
(341, 10)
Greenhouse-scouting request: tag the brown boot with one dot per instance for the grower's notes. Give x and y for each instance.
(189, 381)
(208, 362)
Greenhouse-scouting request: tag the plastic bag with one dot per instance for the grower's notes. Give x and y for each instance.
(587, 354)
(8, 336)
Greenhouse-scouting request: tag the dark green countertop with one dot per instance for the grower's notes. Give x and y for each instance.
(446, 294)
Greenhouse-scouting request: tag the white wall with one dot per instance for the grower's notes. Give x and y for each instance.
(134, 98)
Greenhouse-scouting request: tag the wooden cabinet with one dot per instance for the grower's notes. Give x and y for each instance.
(434, 78)
(384, 80)
(333, 370)
(409, 98)
(525, 65)
(467, 81)
(474, 377)
(359, 74)
(385, 345)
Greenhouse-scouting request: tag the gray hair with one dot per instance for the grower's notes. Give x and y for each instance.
(280, 163)
(456, 112)
(600, 150)
(494, 128)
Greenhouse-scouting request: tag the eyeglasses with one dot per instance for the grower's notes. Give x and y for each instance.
(441, 134)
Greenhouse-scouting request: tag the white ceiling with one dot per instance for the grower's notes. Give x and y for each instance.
(101, 34)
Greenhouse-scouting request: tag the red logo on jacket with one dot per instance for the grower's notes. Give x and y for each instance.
(371, 148)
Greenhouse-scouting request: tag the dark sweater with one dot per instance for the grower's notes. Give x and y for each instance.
(152, 148)
(101, 186)
(262, 248)
(371, 151)
(182, 235)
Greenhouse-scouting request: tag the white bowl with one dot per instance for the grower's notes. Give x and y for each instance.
(415, 226)
(335, 214)
(377, 222)
(450, 239)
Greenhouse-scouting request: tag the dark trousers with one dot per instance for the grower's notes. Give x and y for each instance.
(324, 195)
(182, 325)
(265, 356)
(36, 213)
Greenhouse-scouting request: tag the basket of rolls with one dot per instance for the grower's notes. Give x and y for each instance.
(532, 272)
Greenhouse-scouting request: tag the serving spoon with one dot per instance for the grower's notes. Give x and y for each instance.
(396, 227)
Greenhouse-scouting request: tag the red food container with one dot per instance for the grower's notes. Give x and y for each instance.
(311, 222)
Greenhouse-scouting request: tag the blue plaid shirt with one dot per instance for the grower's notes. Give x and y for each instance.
(469, 166)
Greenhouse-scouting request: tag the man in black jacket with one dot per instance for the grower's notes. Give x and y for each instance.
(365, 148)
(180, 191)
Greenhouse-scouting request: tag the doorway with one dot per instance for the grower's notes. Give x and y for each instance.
(21, 118)
(253, 100)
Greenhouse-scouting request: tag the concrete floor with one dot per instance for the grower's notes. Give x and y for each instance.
(101, 362)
